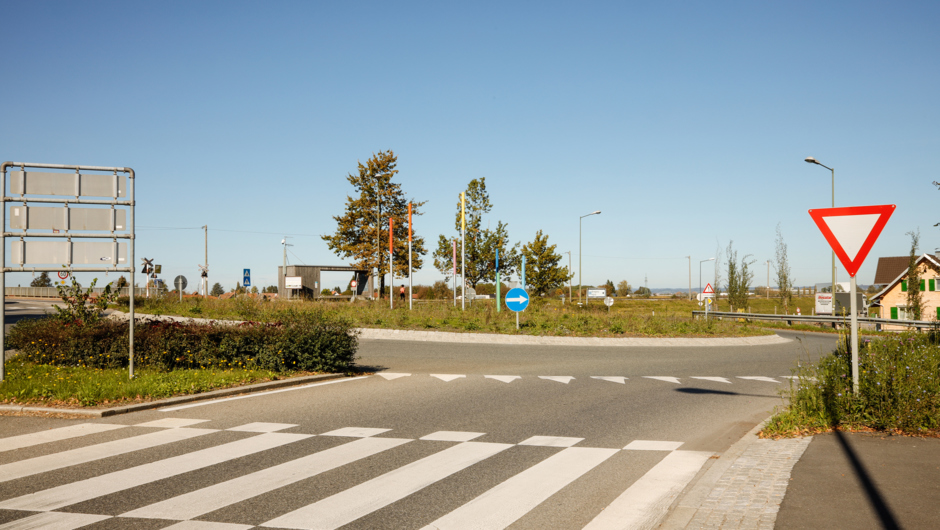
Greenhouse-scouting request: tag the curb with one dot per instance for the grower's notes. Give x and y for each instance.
(224, 392)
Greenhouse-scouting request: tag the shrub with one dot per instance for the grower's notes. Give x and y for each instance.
(309, 341)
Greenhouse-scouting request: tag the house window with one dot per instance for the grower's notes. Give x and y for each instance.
(903, 313)
(903, 286)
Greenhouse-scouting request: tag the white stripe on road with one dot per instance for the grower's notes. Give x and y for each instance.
(361, 500)
(759, 378)
(42, 464)
(199, 502)
(667, 379)
(558, 378)
(55, 435)
(715, 379)
(447, 378)
(551, 441)
(54, 521)
(503, 378)
(83, 490)
(612, 379)
(207, 525)
(647, 500)
(652, 445)
(260, 394)
(388, 376)
(171, 423)
(504, 504)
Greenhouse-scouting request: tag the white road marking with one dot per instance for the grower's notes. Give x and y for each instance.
(452, 436)
(361, 500)
(55, 435)
(759, 378)
(503, 378)
(551, 441)
(507, 502)
(716, 379)
(389, 376)
(54, 521)
(664, 378)
(203, 501)
(207, 525)
(447, 377)
(647, 500)
(652, 445)
(261, 426)
(83, 490)
(81, 455)
(261, 394)
(559, 378)
(171, 423)
(355, 432)
(621, 380)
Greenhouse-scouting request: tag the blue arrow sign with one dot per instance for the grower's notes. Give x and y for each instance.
(517, 299)
(247, 282)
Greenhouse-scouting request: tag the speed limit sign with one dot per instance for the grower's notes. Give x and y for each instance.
(63, 275)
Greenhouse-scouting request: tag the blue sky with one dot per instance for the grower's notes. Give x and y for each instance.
(685, 123)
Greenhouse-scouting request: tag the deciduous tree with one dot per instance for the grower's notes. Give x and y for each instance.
(782, 268)
(542, 270)
(41, 281)
(362, 231)
(739, 277)
(623, 288)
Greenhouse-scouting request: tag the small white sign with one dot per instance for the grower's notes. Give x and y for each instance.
(596, 293)
(293, 282)
(823, 303)
(608, 301)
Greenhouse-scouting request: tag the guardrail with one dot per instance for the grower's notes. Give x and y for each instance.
(835, 321)
(51, 292)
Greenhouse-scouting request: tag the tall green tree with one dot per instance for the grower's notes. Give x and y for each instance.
(623, 288)
(362, 231)
(41, 281)
(217, 289)
(915, 297)
(739, 277)
(609, 286)
(782, 268)
(481, 243)
(542, 270)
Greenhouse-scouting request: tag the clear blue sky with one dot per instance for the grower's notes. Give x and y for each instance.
(685, 123)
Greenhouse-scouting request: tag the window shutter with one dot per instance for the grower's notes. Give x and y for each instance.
(894, 313)
(922, 287)
(938, 313)
(903, 286)
(931, 285)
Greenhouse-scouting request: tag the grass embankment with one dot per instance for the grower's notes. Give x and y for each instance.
(65, 361)
(899, 390)
(627, 318)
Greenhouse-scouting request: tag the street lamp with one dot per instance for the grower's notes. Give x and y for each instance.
(812, 160)
(700, 272)
(579, 251)
(568, 252)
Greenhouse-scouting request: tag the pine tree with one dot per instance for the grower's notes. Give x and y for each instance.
(915, 297)
(542, 270)
(362, 231)
(41, 281)
(217, 290)
(481, 243)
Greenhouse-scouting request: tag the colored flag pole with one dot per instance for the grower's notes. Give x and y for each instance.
(391, 266)
(463, 250)
(497, 280)
(410, 280)
(454, 261)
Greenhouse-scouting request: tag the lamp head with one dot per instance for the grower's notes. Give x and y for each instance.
(283, 241)
(811, 160)
(597, 212)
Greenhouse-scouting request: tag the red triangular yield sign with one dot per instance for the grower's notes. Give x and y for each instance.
(852, 231)
(708, 289)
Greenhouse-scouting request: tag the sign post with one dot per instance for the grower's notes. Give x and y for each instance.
(246, 281)
(517, 300)
(497, 281)
(180, 283)
(391, 265)
(708, 293)
(410, 282)
(852, 232)
(463, 250)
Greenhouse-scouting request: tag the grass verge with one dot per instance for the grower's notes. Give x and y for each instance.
(899, 390)
(28, 383)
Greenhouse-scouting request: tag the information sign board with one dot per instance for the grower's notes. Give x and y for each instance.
(293, 282)
(596, 293)
(247, 280)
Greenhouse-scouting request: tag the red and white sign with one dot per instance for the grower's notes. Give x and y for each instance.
(63, 275)
(852, 231)
(708, 290)
(352, 283)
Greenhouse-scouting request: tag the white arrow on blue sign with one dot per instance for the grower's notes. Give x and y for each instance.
(247, 281)
(517, 299)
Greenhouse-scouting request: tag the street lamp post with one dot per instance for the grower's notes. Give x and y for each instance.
(690, 276)
(700, 272)
(579, 252)
(812, 160)
(570, 276)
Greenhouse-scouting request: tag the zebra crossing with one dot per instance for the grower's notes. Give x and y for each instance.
(557, 463)
(566, 379)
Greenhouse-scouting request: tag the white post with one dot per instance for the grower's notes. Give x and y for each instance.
(463, 269)
(410, 280)
(854, 309)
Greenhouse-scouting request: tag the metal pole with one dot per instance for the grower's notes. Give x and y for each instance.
(690, 277)
(580, 284)
(133, 243)
(523, 272)
(205, 282)
(854, 334)
(570, 276)
(463, 251)
(768, 279)
(391, 266)
(3, 264)
(454, 261)
(284, 271)
(497, 280)
(834, 252)
(410, 280)
(378, 240)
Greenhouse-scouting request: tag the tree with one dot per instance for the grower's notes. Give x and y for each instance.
(623, 288)
(782, 268)
(270, 289)
(217, 290)
(41, 281)
(609, 286)
(643, 292)
(915, 298)
(542, 270)
(254, 289)
(481, 243)
(121, 283)
(739, 277)
(362, 231)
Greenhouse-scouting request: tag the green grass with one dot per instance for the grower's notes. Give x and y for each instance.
(899, 390)
(29, 383)
(627, 318)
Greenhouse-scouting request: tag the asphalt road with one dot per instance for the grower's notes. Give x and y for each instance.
(542, 442)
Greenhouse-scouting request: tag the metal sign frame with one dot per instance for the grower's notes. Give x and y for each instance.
(101, 182)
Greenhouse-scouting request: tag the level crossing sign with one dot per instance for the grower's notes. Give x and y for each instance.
(517, 299)
(247, 280)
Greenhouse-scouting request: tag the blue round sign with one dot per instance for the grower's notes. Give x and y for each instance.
(517, 299)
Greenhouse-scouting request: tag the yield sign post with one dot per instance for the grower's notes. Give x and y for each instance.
(852, 232)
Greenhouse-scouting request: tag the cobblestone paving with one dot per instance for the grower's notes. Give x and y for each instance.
(749, 493)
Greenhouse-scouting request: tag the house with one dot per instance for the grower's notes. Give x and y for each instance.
(892, 273)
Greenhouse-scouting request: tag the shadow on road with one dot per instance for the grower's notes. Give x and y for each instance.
(703, 391)
(874, 496)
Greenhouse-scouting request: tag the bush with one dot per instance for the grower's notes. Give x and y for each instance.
(309, 341)
(899, 389)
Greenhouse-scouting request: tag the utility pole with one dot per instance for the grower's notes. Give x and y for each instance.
(768, 279)
(463, 250)
(690, 277)
(570, 276)
(205, 276)
(410, 280)
(284, 269)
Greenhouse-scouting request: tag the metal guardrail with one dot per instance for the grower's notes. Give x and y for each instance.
(835, 321)
(51, 292)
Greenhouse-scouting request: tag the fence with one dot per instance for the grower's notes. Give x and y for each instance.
(51, 292)
(822, 319)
